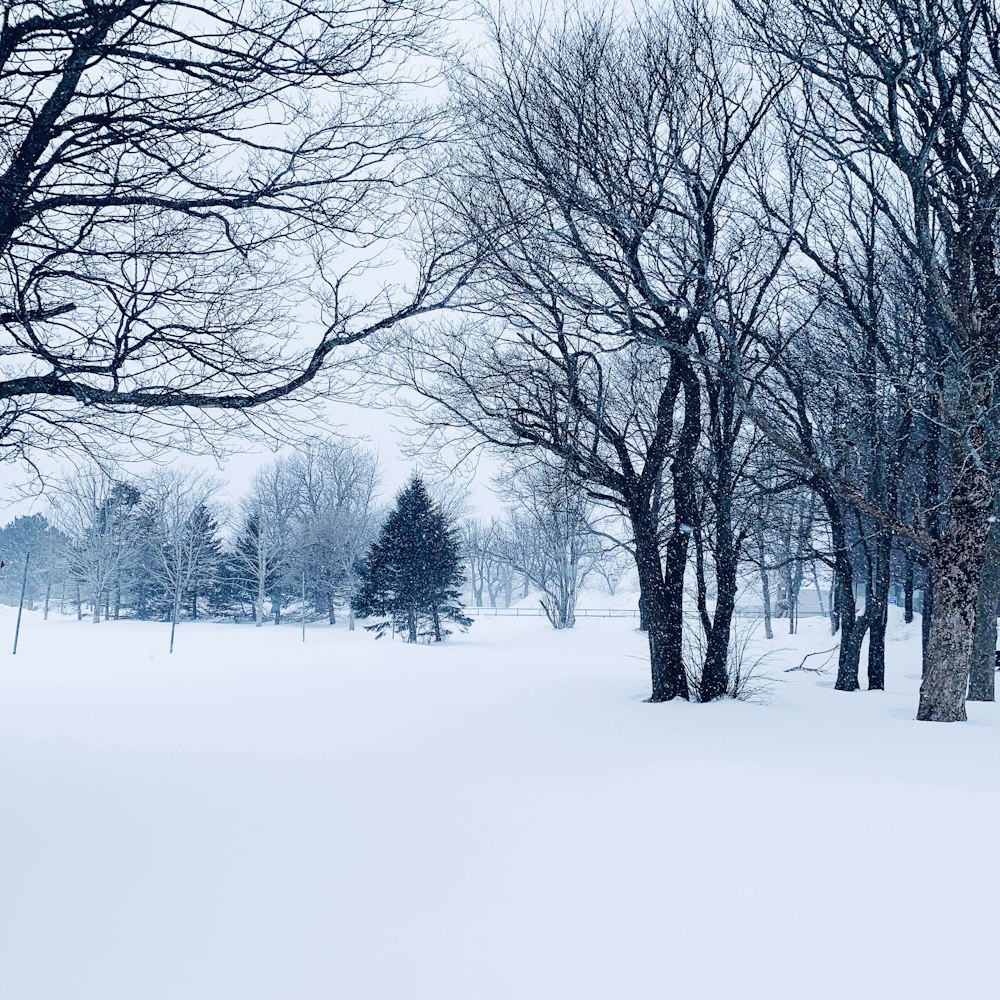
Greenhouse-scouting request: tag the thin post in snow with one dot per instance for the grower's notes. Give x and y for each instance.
(20, 606)
(303, 614)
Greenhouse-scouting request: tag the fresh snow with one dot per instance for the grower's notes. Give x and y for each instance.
(500, 818)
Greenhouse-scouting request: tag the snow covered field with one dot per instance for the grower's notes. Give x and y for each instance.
(499, 819)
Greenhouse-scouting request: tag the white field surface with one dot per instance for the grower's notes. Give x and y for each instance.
(501, 818)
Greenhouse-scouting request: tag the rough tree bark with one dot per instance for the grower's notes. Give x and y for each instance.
(662, 609)
(877, 609)
(956, 567)
(982, 677)
(908, 588)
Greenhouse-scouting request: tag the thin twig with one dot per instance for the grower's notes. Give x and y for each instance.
(813, 670)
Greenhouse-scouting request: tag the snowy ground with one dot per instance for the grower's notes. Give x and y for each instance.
(499, 819)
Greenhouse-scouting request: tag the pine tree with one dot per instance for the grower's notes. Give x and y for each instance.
(412, 575)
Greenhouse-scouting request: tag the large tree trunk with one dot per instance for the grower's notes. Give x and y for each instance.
(660, 601)
(666, 598)
(852, 628)
(765, 593)
(666, 626)
(926, 617)
(982, 677)
(877, 610)
(908, 588)
(715, 675)
(852, 635)
(956, 566)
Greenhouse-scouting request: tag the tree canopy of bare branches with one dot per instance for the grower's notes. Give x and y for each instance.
(896, 106)
(190, 198)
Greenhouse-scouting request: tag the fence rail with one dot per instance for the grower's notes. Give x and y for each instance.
(620, 613)
(539, 613)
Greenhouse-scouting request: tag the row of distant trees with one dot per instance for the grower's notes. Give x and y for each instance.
(164, 547)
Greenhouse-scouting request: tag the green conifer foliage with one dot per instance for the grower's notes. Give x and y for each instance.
(412, 575)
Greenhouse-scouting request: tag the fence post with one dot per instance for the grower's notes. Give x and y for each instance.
(20, 606)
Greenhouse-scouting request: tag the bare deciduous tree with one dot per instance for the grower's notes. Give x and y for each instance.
(597, 186)
(179, 504)
(549, 537)
(187, 194)
(99, 514)
(263, 546)
(899, 98)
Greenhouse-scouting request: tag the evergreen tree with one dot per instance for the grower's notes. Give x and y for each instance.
(47, 545)
(412, 575)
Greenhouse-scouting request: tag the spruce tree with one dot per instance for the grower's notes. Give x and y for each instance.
(412, 575)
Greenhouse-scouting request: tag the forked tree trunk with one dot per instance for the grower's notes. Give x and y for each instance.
(852, 629)
(666, 597)
(715, 675)
(662, 611)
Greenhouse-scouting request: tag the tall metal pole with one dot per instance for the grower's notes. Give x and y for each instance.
(20, 606)
(303, 615)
